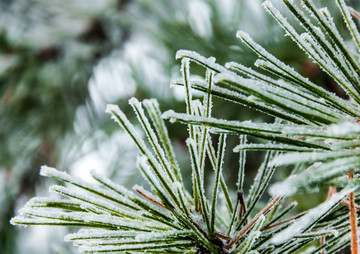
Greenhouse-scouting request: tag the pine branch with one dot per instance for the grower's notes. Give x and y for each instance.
(315, 131)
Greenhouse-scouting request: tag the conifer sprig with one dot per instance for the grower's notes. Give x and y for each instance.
(165, 220)
(315, 131)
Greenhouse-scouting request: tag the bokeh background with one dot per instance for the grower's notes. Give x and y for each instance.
(61, 62)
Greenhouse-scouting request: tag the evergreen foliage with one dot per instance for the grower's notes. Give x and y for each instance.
(315, 131)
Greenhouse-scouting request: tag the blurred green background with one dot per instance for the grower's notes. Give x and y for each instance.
(61, 62)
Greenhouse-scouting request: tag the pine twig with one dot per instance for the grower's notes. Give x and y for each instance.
(253, 221)
(353, 221)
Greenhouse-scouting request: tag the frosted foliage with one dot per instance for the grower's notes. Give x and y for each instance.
(311, 178)
(288, 72)
(104, 84)
(317, 47)
(251, 101)
(283, 97)
(142, 164)
(112, 108)
(307, 220)
(50, 171)
(290, 158)
(343, 129)
(320, 35)
(349, 22)
(254, 234)
(152, 136)
(207, 62)
(288, 187)
(304, 40)
(28, 24)
(315, 134)
(199, 18)
(121, 119)
(277, 64)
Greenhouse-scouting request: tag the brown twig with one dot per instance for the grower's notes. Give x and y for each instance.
(322, 242)
(222, 236)
(347, 203)
(354, 13)
(332, 190)
(253, 221)
(353, 222)
(242, 208)
(284, 221)
(147, 196)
